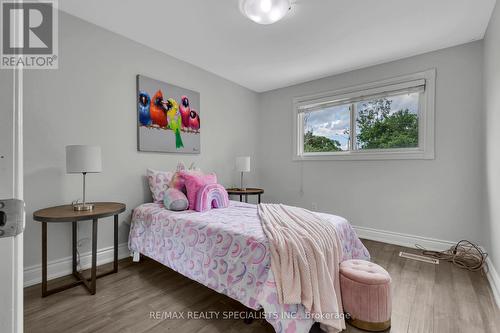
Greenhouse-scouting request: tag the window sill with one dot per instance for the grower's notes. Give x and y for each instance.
(393, 154)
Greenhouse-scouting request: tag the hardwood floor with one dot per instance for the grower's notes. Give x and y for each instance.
(426, 298)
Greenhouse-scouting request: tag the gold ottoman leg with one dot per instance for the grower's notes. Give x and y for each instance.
(367, 326)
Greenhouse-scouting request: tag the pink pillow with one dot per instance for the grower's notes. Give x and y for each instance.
(158, 183)
(178, 182)
(194, 182)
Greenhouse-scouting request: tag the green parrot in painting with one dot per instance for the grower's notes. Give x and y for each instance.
(174, 120)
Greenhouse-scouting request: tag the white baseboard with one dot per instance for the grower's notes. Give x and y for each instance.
(396, 238)
(403, 239)
(494, 279)
(62, 267)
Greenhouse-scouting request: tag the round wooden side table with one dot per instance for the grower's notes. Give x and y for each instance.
(66, 214)
(245, 192)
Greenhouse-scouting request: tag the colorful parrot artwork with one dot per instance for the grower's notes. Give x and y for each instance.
(158, 111)
(168, 114)
(194, 121)
(144, 104)
(185, 111)
(175, 121)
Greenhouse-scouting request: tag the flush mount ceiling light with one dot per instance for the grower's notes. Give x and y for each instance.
(265, 11)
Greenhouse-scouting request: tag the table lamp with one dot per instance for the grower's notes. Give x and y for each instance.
(243, 165)
(83, 159)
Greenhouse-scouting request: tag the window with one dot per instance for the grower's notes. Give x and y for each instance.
(392, 119)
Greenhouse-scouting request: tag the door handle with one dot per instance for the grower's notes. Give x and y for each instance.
(11, 217)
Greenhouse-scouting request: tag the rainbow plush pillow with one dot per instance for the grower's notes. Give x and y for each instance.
(211, 196)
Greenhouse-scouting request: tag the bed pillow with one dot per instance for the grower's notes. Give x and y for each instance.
(194, 182)
(211, 196)
(175, 200)
(158, 183)
(178, 180)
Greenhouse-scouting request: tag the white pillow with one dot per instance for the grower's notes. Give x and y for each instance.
(158, 183)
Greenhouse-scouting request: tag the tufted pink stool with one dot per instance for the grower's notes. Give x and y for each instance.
(366, 295)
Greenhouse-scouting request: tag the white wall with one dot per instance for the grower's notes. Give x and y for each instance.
(492, 107)
(439, 198)
(91, 99)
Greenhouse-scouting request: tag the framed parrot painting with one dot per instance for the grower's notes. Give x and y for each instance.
(168, 117)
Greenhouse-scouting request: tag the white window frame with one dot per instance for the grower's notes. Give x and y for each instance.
(425, 149)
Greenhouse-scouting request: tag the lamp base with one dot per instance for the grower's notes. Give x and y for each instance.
(83, 207)
(242, 188)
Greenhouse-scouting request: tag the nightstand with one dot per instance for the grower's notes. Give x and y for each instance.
(246, 192)
(66, 214)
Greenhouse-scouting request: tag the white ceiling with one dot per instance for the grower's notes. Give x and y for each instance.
(317, 39)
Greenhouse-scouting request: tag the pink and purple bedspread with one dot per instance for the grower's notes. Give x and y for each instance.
(227, 251)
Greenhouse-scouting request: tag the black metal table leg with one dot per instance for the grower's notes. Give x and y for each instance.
(241, 198)
(45, 290)
(44, 259)
(115, 262)
(91, 283)
(94, 258)
(259, 198)
(74, 227)
(246, 198)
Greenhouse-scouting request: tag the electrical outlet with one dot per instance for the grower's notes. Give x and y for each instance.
(314, 206)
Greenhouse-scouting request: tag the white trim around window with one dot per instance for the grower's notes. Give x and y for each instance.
(423, 82)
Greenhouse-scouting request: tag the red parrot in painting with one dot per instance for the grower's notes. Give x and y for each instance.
(158, 111)
(185, 110)
(194, 121)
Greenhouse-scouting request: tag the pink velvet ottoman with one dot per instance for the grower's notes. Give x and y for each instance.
(366, 295)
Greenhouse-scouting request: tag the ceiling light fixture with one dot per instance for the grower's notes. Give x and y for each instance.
(265, 11)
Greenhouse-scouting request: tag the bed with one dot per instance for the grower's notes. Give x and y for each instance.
(227, 251)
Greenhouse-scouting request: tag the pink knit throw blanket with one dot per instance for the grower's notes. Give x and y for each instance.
(305, 259)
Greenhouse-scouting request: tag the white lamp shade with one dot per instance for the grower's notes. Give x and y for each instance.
(243, 164)
(80, 159)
